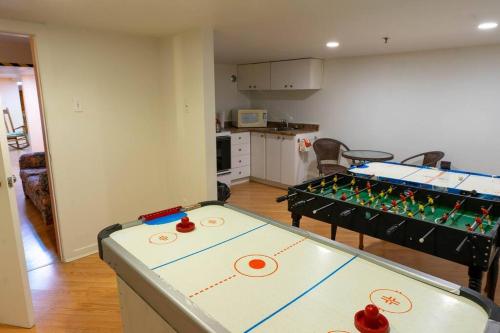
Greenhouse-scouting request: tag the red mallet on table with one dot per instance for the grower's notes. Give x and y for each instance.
(370, 320)
(185, 225)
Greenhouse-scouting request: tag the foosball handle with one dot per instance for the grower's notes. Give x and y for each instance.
(395, 227)
(285, 197)
(282, 198)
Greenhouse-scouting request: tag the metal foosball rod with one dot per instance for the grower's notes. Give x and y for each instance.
(321, 208)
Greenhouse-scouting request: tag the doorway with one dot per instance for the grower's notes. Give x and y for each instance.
(21, 111)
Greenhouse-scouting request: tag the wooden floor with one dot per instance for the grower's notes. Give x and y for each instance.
(38, 239)
(81, 296)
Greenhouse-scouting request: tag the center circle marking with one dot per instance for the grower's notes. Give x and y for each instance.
(256, 265)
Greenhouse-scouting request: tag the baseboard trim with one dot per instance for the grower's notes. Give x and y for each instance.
(269, 182)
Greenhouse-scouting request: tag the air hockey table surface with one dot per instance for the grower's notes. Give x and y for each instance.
(453, 181)
(240, 272)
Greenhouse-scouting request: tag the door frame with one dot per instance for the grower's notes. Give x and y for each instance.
(43, 123)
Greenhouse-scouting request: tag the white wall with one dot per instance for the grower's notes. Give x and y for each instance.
(189, 109)
(445, 100)
(9, 98)
(227, 95)
(111, 162)
(32, 113)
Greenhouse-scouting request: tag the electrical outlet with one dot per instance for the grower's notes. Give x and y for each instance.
(77, 105)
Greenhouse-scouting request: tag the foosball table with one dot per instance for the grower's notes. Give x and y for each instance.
(459, 228)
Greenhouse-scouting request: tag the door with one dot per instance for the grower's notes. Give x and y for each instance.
(258, 155)
(289, 158)
(273, 157)
(254, 76)
(15, 302)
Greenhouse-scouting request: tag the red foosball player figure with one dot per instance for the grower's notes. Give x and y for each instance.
(412, 196)
(356, 191)
(479, 222)
(469, 227)
(384, 207)
(343, 197)
(486, 214)
(444, 218)
(394, 205)
(369, 188)
(456, 208)
(402, 198)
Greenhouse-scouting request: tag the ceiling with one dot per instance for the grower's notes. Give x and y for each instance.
(15, 73)
(256, 30)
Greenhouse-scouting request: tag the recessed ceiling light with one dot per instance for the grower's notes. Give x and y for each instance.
(332, 44)
(487, 25)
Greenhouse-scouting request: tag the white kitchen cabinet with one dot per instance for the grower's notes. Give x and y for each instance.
(276, 159)
(288, 160)
(298, 74)
(258, 155)
(240, 156)
(254, 76)
(273, 157)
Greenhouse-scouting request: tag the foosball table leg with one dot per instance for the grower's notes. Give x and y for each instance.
(333, 231)
(492, 277)
(296, 220)
(475, 278)
(361, 244)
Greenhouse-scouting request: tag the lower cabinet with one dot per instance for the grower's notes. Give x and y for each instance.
(258, 155)
(273, 158)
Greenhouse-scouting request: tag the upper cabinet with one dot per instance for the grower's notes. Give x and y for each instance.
(301, 74)
(298, 74)
(254, 76)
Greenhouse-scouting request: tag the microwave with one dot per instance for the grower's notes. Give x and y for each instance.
(249, 118)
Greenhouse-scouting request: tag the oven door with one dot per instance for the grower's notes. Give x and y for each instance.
(223, 153)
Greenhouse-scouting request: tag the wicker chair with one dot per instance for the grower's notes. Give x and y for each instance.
(431, 158)
(328, 154)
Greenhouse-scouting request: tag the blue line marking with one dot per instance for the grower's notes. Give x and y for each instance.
(208, 248)
(301, 295)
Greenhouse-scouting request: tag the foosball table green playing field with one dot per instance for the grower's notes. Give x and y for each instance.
(460, 228)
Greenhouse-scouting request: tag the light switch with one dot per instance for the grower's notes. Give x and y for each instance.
(77, 105)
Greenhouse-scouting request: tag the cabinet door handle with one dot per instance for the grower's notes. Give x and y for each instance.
(249, 86)
(239, 138)
(239, 149)
(262, 135)
(255, 86)
(286, 86)
(291, 86)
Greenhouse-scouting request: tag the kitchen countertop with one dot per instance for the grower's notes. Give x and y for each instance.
(298, 129)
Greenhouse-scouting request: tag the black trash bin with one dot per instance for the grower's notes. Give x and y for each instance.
(223, 192)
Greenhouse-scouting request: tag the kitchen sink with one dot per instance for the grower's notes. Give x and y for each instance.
(280, 129)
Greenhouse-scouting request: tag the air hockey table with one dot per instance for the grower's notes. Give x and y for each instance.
(241, 272)
(454, 181)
